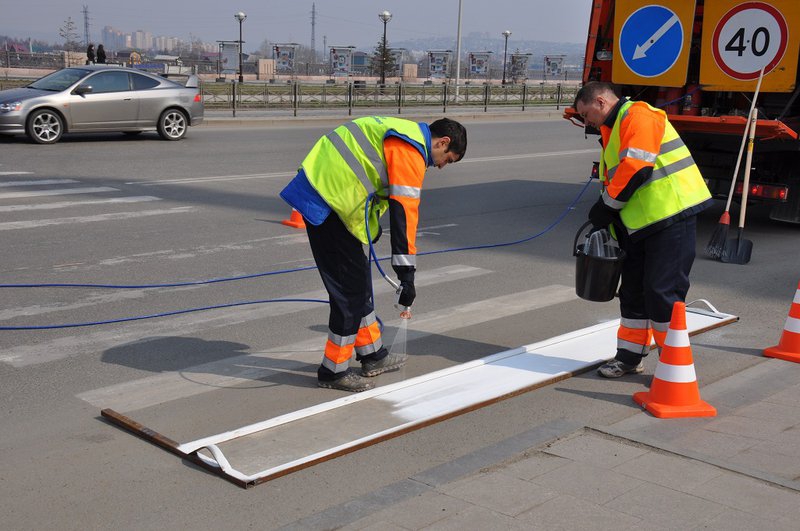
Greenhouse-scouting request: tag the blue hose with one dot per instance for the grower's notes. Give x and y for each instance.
(372, 257)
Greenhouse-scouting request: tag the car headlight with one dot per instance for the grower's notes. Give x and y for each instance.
(10, 106)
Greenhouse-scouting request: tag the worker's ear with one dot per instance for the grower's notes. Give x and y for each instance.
(443, 141)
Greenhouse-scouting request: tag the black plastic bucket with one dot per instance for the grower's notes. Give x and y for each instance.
(596, 277)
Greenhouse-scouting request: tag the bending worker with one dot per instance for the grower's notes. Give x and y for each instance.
(652, 193)
(384, 158)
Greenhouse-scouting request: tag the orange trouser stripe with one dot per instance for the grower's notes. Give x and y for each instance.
(368, 335)
(640, 336)
(338, 354)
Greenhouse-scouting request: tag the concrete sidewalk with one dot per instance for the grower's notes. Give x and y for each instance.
(285, 117)
(739, 470)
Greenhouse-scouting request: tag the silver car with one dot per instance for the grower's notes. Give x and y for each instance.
(99, 98)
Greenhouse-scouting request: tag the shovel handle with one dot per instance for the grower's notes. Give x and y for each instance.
(747, 164)
(744, 139)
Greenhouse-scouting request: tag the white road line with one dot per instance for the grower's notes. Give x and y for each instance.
(216, 178)
(63, 191)
(34, 183)
(69, 204)
(15, 172)
(291, 173)
(98, 339)
(116, 216)
(529, 155)
(243, 370)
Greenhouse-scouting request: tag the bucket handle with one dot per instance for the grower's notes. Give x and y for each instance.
(577, 235)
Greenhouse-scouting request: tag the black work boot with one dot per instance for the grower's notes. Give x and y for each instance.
(349, 380)
(390, 362)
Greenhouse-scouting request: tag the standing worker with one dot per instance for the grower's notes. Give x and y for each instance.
(90, 54)
(385, 159)
(652, 193)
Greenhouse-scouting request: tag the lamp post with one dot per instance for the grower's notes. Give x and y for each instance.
(385, 16)
(506, 33)
(240, 16)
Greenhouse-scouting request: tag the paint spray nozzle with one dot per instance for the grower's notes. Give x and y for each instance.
(405, 311)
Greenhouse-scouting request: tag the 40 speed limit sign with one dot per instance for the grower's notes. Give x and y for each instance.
(741, 38)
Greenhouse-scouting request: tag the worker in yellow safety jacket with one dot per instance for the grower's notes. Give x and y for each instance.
(652, 193)
(381, 160)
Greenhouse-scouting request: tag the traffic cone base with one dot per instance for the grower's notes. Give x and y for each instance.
(295, 220)
(668, 411)
(788, 348)
(674, 392)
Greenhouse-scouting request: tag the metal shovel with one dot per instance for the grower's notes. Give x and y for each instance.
(738, 250)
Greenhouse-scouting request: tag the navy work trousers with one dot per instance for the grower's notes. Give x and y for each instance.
(655, 274)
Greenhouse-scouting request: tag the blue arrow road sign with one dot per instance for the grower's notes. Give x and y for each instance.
(651, 40)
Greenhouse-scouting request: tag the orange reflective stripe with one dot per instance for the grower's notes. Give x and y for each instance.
(338, 354)
(659, 337)
(640, 336)
(368, 335)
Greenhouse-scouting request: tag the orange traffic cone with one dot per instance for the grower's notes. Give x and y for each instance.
(789, 346)
(295, 220)
(674, 392)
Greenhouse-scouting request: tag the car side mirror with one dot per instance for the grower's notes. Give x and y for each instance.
(82, 89)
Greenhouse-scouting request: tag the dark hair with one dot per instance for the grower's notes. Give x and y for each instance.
(591, 90)
(455, 131)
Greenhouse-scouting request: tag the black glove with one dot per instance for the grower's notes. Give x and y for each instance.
(405, 274)
(407, 293)
(601, 215)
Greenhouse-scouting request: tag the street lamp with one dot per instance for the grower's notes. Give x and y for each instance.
(385, 16)
(240, 17)
(506, 33)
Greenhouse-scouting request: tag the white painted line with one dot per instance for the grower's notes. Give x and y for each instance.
(63, 191)
(214, 178)
(294, 439)
(242, 370)
(34, 183)
(99, 339)
(70, 204)
(529, 156)
(116, 216)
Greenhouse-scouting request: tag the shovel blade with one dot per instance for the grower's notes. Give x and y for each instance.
(737, 251)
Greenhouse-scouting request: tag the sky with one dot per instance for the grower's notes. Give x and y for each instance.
(342, 22)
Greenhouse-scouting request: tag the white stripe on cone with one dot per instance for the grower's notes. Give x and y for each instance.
(676, 338)
(797, 297)
(675, 373)
(792, 325)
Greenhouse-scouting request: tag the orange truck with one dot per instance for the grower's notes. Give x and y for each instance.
(700, 61)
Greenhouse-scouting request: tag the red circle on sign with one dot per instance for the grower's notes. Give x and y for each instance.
(777, 15)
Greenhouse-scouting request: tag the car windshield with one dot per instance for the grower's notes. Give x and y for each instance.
(58, 81)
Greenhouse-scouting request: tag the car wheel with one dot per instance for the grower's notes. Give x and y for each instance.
(45, 126)
(172, 124)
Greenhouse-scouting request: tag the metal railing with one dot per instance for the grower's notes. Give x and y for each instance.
(296, 95)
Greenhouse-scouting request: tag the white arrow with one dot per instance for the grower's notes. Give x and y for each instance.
(641, 50)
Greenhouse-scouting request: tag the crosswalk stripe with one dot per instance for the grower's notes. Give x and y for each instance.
(62, 191)
(529, 155)
(116, 216)
(40, 182)
(214, 178)
(69, 204)
(15, 172)
(244, 369)
(108, 337)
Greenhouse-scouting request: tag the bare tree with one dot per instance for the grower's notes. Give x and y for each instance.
(70, 35)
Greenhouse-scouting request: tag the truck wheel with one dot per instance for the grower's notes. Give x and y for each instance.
(172, 124)
(45, 126)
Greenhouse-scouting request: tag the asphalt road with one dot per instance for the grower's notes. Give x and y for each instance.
(136, 211)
